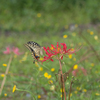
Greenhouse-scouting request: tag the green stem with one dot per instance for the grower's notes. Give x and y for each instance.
(62, 80)
(26, 91)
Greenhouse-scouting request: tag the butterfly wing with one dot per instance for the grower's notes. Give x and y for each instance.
(34, 48)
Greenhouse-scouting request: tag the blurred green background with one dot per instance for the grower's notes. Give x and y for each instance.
(75, 22)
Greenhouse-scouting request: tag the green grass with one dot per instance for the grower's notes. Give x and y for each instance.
(26, 76)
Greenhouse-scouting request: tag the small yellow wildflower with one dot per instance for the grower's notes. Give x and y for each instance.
(39, 96)
(2, 75)
(41, 58)
(15, 56)
(49, 76)
(78, 88)
(61, 90)
(45, 74)
(96, 37)
(65, 36)
(73, 34)
(66, 26)
(75, 67)
(70, 56)
(14, 88)
(72, 49)
(84, 90)
(74, 59)
(41, 69)
(96, 72)
(39, 15)
(76, 25)
(61, 95)
(97, 94)
(99, 85)
(4, 65)
(5, 94)
(91, 32)
(52, 87)
(52, 69)
(92, 64)
(50, 82)
(70, 94)
(20, 61)
(75, 92)
(36, 64)
(79, 43)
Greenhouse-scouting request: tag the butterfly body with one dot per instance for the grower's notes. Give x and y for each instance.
(35, 49)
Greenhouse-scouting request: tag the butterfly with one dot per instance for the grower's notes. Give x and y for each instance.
(35, 49)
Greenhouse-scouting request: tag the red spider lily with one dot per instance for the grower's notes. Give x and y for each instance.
(59, 50)
(14, 50)
(7, 51)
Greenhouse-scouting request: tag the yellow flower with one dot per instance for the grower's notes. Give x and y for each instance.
(50, 82)
(39, 96)
(49, 76)
(75, 66)
(92, 64)
(75, 92)
(20, 61)
(36, 64)
(84, 90)
(76, 25)
(80, 43)
(97, 94)
(99, 85)
(74, 59)
(96, 71)
(73, 34)
(72, 49)
(39, 15)
(41, 58)
(70, 94)
(4, 65)
(61, 90)
(45, 74)
(24, 58)
(78, 88)
(61, 95)
(65, 36)
(52, 87)
(52, 69)
(15, 56)
(2, 75)
(96, 37)
(70, 56)
(14, 88)
(66, 26)
(41, 69)
(5, 94)
(91, 32)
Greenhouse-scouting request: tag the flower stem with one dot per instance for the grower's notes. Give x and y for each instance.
(62, 80)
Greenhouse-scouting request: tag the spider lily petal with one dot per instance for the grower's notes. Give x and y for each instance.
(59, 51)
(7, 50)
